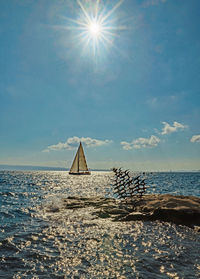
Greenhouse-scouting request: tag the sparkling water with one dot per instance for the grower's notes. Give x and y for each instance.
(39, 238)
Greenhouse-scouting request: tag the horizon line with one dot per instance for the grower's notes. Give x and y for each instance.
(35, 167)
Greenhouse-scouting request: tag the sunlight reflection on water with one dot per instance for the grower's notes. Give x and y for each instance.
(42, 239)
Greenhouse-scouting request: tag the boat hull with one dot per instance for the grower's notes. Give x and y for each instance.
(80, 173)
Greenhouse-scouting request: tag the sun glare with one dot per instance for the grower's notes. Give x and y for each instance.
(96, 26)
(94, 29)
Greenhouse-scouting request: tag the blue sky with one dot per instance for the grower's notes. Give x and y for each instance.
(134, 101)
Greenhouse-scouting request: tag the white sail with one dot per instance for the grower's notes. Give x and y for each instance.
(79, 165)
(74, 167)
(82, 160)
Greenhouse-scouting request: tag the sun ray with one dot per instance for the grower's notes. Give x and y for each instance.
(96, 27)
(107, 39)
(110, 34)
(97, 9)
(84, 11)
(113, 9)
(76, 21)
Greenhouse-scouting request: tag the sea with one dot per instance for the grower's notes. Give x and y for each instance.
(39, 238)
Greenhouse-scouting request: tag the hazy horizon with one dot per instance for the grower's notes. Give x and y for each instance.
(46, 168)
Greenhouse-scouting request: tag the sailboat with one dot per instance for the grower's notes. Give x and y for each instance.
(79, 165)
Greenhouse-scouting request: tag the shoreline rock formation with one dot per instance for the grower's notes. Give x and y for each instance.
(181, 210)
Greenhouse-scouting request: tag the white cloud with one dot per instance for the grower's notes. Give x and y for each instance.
(141, 143)
(167, 129)
(73, 142)
(195, 138)
(126, 145)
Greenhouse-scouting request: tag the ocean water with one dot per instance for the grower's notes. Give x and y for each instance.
(39, 238)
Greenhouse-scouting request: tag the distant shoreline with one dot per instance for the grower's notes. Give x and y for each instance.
(45, 168)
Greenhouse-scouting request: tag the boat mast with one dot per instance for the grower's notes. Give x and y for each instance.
(78, 155)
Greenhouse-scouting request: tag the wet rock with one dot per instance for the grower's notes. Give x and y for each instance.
(136, 216)
(197, 228)
(184, 210)
(182, 216)
(53, 209)
(117, 211)
(101, 214)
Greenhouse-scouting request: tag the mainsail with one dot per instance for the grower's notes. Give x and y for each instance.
(79, 165)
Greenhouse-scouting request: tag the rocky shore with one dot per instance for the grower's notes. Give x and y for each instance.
(182, 210)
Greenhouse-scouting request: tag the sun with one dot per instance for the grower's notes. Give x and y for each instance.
(95, 27)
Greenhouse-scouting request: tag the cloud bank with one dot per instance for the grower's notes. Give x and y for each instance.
(195, 138)
(153, 141)
(72, 143)
(167, 129)
(141, 143)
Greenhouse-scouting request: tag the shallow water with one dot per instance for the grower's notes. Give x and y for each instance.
(41, 239)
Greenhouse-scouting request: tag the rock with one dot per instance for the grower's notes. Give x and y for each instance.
(197, 228)
(136, 216)
(53, 209)
(183, 216)
(101, 214)
(117, 211)
(152, 202)
(184, 210)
